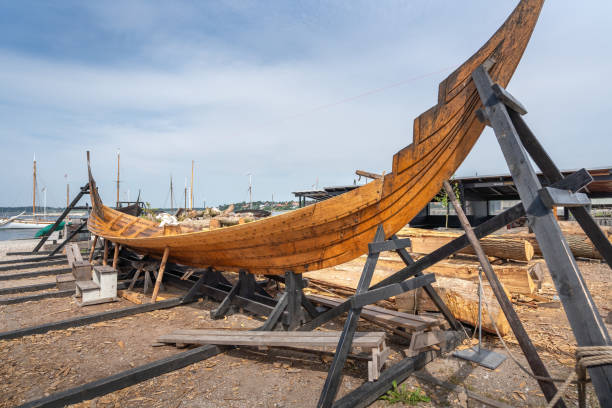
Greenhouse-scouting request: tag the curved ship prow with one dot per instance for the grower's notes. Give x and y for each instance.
(339, 229)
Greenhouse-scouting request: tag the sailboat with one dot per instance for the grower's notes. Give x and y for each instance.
(30, 223)
(339, 229)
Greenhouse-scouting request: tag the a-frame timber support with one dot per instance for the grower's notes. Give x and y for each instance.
(83, 191)
(364, 295)
(503, 113)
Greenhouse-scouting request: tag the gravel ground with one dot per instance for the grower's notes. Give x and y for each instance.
(34, 366)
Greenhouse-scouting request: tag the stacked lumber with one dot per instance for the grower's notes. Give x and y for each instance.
(517, 278)
(500, 246)
(460, 294)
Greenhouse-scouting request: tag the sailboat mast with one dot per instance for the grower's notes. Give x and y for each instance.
(34, 188)
(191, 191)
(171, 195)
(250, 191)
(67, 191)
(118, 160)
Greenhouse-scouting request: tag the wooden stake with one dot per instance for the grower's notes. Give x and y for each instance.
(93, 247)
(160, 274)
(105, 257)
(135, 278)
(116, 255)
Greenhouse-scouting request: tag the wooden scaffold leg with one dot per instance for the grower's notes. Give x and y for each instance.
(160, 274)
(93, 248)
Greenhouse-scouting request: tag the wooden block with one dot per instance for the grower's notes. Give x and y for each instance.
(65, 281)
(82, 270)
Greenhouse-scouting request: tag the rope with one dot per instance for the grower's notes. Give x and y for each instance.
(587, 356)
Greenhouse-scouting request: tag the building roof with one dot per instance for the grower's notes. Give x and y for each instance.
(501, 187)
(495, 187)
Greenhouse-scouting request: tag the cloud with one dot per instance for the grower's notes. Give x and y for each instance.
(241, 87)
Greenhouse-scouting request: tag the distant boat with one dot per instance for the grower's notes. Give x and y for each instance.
(32, 223)
(14, 223)
(9, 220)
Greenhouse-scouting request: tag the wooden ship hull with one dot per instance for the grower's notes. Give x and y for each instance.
(339, 229)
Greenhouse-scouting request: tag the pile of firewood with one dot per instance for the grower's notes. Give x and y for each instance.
(213, 218)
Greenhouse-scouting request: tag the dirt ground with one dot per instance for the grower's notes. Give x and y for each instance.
(35, 366)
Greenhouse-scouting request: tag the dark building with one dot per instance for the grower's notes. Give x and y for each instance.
(483, 197)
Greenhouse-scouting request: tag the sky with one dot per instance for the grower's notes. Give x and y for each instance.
(299, 94)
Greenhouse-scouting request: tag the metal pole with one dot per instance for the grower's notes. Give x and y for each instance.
(118, 160)
(191, 190)
(34, 189)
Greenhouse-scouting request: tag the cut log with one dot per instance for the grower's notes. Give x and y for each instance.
(514, 276)
(461, 297)
(580, 245)
(504, 246)
(228, 221)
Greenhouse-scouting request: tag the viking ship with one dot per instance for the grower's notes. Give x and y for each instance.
(339, 229)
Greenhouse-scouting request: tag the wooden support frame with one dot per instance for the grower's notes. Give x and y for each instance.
(533, 358)
(160, 274)
(552, 173)
(245, 289)
(581, 311)
(84, 190)
(364, 295)
(68, 239)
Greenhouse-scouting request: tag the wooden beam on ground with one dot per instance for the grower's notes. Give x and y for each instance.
(35, 274)
(160, 274)
(14, 267)
(32, 259)
(27, 288)
(89, 319)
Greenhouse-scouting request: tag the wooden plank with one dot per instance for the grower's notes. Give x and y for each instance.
(391, 317)
(270, 338)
